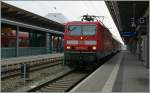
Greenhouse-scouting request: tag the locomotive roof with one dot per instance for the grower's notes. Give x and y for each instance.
(87, 22)
(79, 22)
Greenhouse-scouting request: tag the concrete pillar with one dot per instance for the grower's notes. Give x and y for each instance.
(17, 41)
(140, 46)
(144, 48)
(133, 45)
(147, 42)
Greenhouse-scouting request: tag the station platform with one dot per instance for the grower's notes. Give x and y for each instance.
(23, 59)
(122, 73)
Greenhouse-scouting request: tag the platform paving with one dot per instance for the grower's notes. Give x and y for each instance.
(96, 81)
(132, 76)
(122, 73)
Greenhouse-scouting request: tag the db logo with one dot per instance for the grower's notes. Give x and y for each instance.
(81, 42)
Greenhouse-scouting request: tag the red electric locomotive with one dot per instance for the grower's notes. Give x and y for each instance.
(85, 42)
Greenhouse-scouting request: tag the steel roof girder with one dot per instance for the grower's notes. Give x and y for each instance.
(29, 26)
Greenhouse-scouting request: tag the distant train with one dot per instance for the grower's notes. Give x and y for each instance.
(8, 38)
(26, 39)
(86, 42)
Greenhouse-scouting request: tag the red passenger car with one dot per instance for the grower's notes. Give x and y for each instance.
(8, 38)
(87, 42)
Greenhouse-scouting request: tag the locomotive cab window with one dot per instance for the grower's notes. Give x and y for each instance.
(82, 30)
(88, 30)
(74, 30)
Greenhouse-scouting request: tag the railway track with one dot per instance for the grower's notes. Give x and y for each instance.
(16, 82)
(63, 83)
(58, 84)
(5, 74)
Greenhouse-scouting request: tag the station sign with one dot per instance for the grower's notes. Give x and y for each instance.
(134, 21)
(128, 34)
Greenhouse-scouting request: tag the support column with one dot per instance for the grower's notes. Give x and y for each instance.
(53, 42)
(61, 44)
(147, 41)
(133, 45)
(17, 41)
(48, 43)
(140, 46)
(58, 44)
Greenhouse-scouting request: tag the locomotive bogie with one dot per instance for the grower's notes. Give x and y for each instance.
(80, 59)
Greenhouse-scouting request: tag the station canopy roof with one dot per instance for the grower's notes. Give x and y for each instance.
(13, 13)
(128, 16)
(123, 12)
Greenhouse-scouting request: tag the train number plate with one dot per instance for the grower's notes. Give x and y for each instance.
(81, 48)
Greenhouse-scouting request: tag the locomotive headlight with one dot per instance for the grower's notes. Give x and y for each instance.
(94, 47)
(68, 47)
(81, 37)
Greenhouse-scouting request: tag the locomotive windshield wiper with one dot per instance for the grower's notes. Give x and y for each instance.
(73, 28)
